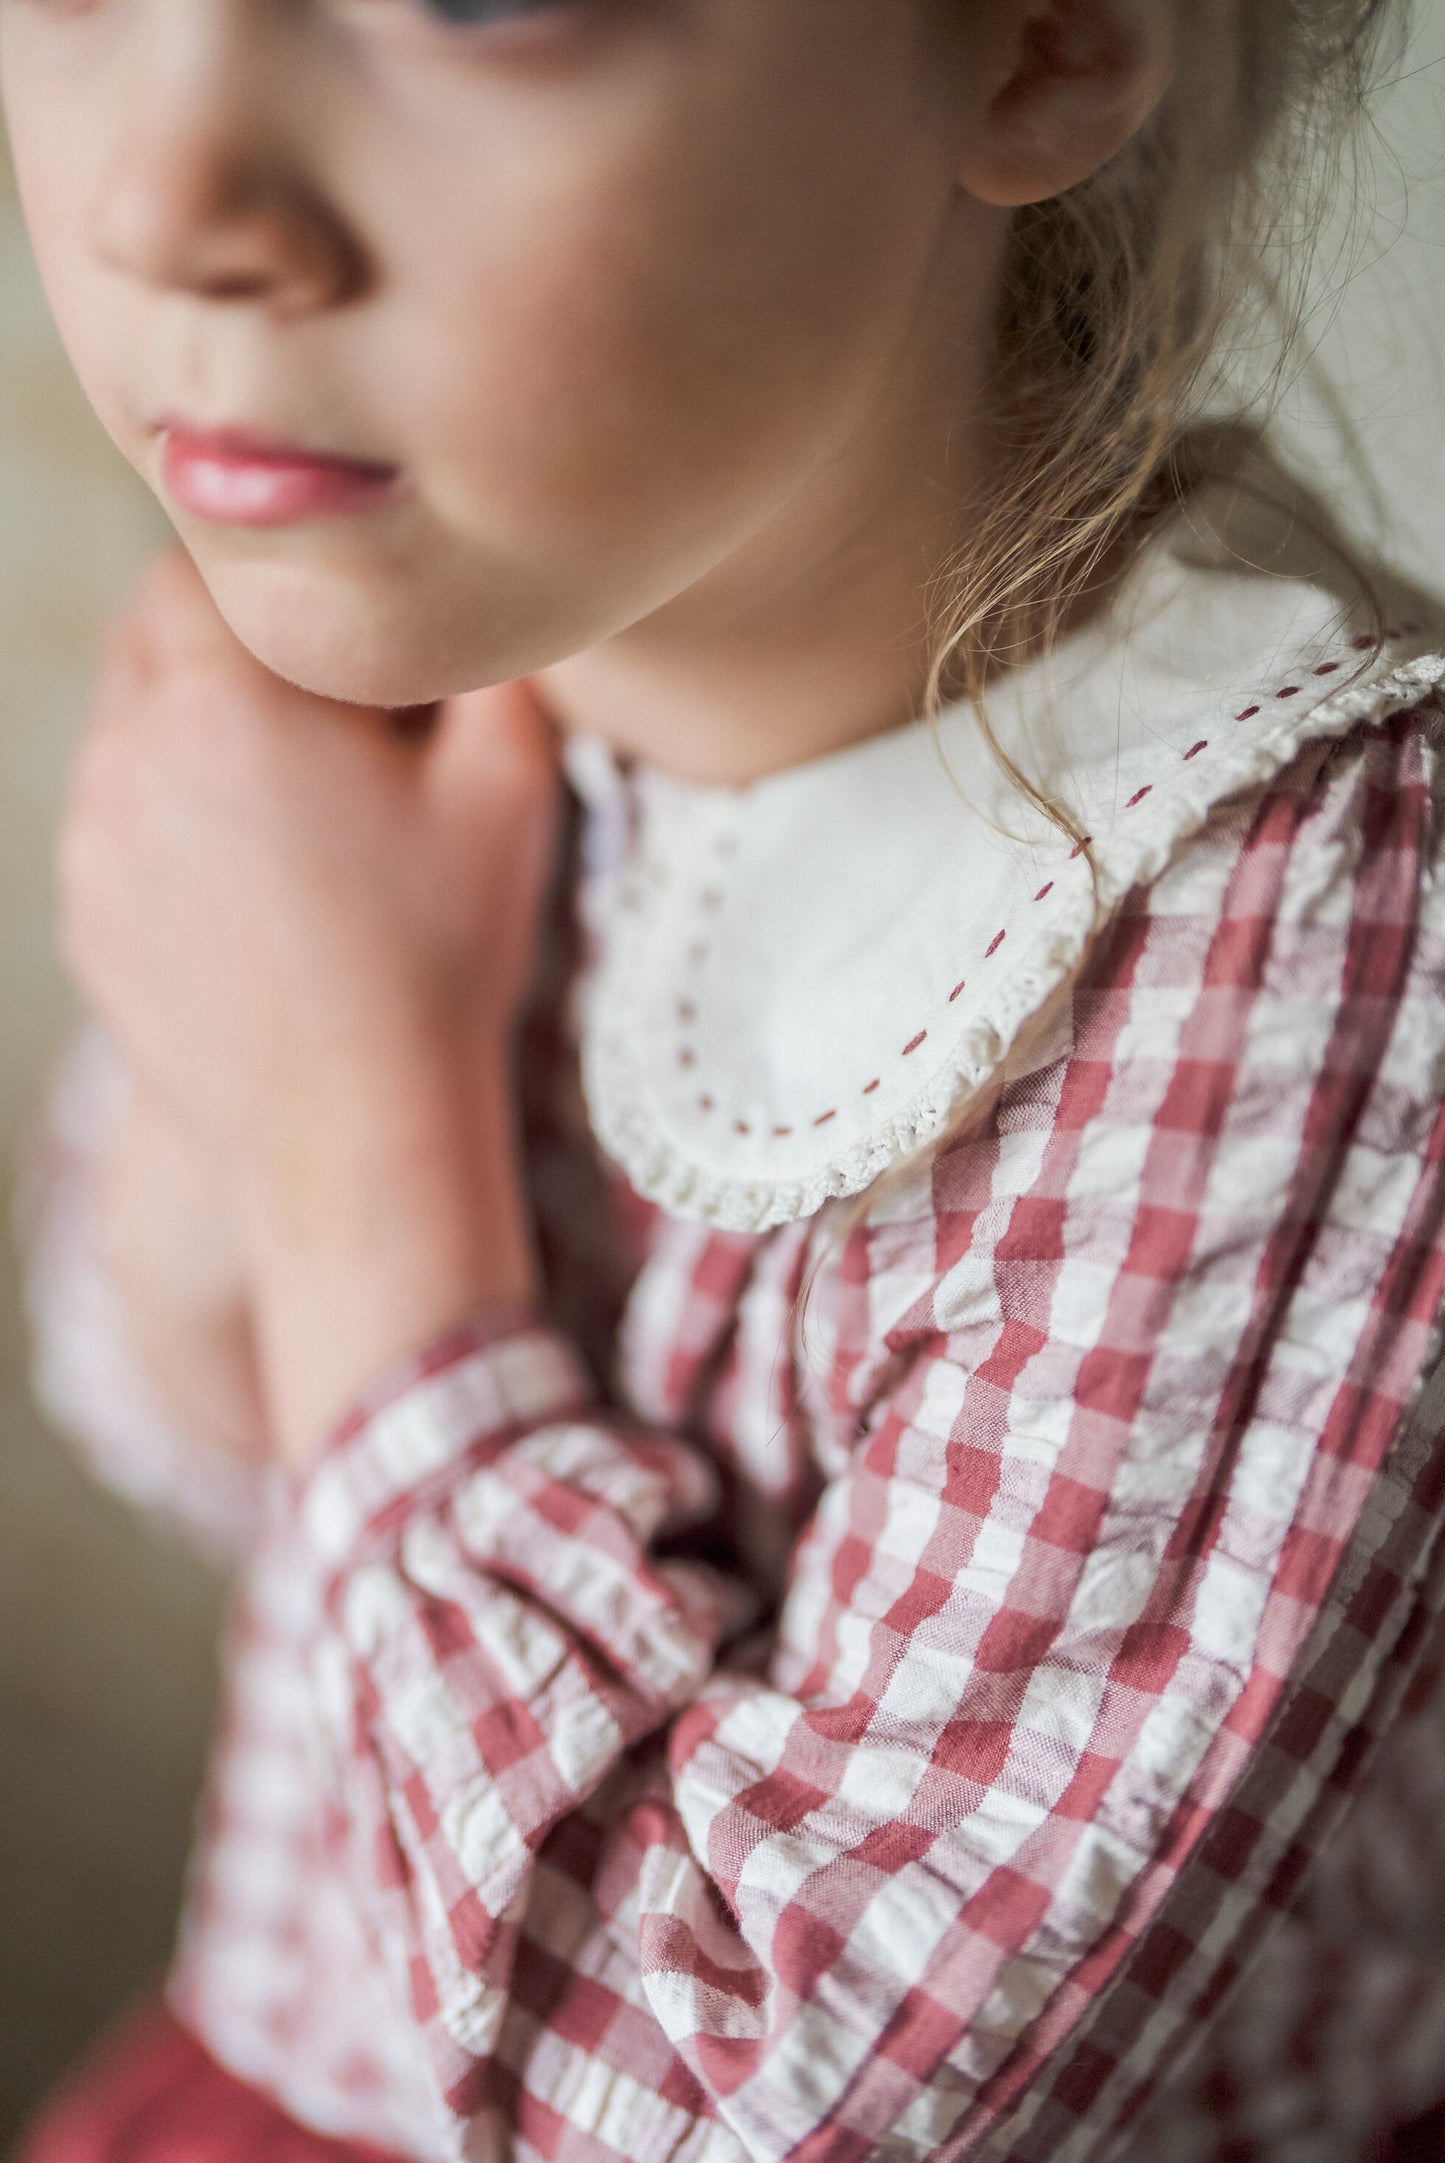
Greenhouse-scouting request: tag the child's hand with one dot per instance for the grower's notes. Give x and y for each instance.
(174, 1256)
(258, 883)
(311, 940)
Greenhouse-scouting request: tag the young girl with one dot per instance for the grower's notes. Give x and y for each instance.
(821, 1344)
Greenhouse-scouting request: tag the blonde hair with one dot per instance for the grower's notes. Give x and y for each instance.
(1116, 299)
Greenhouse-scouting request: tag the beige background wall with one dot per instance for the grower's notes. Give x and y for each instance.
(105, 1633)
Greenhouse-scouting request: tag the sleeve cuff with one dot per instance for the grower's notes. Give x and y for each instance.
(450, 1407)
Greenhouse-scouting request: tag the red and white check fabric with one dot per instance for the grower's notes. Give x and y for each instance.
(870, 1690)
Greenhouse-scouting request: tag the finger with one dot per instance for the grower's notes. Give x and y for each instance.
(126, 658)
(175, 617)
(139, 639)
(492, 744)
(504, 726)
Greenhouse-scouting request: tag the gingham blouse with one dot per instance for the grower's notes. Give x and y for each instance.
(954, 1674)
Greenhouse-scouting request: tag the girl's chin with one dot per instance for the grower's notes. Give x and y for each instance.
(344, 645)
(342, 677)
(368, 635)
(337, 675)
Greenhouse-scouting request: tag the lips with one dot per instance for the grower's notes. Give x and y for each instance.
(241, 477)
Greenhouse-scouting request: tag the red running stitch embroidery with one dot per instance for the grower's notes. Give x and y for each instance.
(726, 846)
(1367, 642)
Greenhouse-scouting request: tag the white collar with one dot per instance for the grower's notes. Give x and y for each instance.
(801, 981)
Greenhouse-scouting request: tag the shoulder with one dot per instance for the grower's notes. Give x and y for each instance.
(809, 982)
(1227, 1126)
(1269, 998)
(1345, 833)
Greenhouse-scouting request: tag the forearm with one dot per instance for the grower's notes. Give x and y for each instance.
(169, 1248)
(383, 1212)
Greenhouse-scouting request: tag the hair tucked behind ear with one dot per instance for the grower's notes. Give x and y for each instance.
(1116, 299)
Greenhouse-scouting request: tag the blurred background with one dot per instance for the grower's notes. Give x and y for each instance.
(107, 1631)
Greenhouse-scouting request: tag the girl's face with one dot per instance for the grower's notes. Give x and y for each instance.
(598, 292)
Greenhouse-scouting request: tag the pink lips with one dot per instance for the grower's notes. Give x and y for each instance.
(235, 478)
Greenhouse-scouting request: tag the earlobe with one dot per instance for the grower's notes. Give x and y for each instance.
(1083, 78)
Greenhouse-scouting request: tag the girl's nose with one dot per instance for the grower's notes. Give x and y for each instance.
(204, 194)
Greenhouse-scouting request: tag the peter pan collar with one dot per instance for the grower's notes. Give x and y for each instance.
(803, 980)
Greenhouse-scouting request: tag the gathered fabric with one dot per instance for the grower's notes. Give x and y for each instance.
(952, 1676)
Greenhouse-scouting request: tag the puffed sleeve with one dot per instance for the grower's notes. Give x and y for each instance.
(84, 1371)
(1118, 1571)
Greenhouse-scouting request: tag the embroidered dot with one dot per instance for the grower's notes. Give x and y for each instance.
(1248, 714)
(994, 944)
(1327, 668)
(686, 1058)
(1365, 643)
(956, 990)
(1044, 890)
(706, 1104)
(1079, 847)
(824, 1117)
(870, 1087)
(1139, 796)
(1195, 749)
(922, 1034)
(740, 1126)
(782, 1132)
(686, 1010)
(1291, 690)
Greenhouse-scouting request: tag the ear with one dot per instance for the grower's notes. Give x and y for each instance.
(1070, 82)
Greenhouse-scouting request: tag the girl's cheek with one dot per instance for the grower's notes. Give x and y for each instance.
(614, 358)
(86, 315)
(589, 402)
(54, 138)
